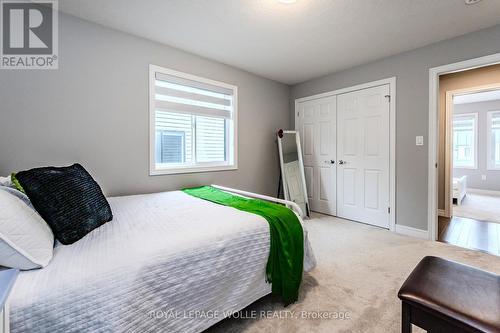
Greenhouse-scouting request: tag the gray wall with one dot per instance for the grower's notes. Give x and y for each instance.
(474, 180)
(94, 110)
(412, 72)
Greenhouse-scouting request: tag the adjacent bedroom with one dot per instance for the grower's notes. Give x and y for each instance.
(192, 166)
(469, 191)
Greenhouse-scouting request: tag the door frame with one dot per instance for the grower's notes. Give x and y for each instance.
(433, 158)
(392, 132)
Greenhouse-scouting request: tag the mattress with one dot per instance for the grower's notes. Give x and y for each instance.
(167, 262)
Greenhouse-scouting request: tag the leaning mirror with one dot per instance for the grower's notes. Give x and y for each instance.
(292, 169)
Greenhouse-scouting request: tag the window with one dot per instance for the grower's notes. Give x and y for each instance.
(493, 146)
(465, 141)
(170, 147)
(193, 123)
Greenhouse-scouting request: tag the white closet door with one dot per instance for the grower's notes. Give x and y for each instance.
(363, 155)
(316, 123)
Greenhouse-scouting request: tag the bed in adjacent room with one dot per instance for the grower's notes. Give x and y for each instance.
(459, 189)
(167, 262)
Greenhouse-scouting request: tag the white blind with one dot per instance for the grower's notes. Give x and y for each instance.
(463, 123)
(193, 120)
(464, 140)
(173, 124)
(180, 136)
(495, 120)
(210, 139)
(181, 95)
(495, 140)
(171, 147)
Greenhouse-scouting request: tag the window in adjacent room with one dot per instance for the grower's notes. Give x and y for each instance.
(493, 145)
(193, 123)
(465, 141)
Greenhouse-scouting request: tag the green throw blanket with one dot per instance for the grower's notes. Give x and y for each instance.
(286, 255)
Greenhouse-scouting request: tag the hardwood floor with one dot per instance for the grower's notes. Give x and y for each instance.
(469, 233)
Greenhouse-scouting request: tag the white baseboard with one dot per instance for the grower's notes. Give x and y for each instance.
(485, 192)
(412, 232)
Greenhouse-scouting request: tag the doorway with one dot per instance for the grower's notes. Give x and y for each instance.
(473, 121)
(348, 140)
(466, 99)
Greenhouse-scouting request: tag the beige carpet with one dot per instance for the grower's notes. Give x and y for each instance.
(479, 207)
(359, 271)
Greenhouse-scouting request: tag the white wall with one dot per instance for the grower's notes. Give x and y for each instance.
(94, 110)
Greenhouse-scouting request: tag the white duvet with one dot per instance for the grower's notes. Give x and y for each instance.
(168, 262)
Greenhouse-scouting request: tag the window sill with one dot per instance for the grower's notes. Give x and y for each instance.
(181, 170)
(464, 167)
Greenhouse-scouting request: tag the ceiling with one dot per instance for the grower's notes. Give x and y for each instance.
(290, 43)
(485, 96)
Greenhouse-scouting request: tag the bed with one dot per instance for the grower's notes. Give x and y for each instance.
(459, 189)
(201, 262)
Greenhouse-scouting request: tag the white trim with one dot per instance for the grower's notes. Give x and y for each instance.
(484, 192)
(392, 136)
(225, 166)
(391, 80)
(392, 154)
(6, 316)
(434, 74)
(412, 232)
(192, 77)
(174, 171)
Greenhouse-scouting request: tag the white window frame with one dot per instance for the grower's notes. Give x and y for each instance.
(475, 115)
(199, 167)
(490, 163)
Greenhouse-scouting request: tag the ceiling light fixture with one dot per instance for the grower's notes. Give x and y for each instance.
(288, 2)
(471, 2)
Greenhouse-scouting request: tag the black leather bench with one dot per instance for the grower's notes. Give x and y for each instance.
(445, 296)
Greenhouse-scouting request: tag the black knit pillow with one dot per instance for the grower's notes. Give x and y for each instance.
(68, 199)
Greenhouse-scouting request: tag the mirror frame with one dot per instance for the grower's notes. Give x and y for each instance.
(301, 162)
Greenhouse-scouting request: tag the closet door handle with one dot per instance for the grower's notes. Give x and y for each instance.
(342, 162)
(330, 162)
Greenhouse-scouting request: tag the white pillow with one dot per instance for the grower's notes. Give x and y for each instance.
(5, 181)
(26, 241)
